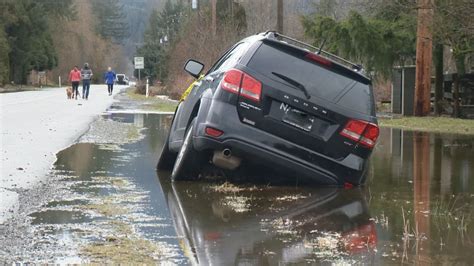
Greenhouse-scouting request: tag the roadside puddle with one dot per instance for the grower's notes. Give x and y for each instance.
(102, 205)
(110, 206)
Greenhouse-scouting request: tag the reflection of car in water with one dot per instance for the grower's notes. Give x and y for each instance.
(122, 79)
(269, 226)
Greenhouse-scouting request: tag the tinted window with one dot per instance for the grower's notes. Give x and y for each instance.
(319, 81)
(231, 58)
(358, 98)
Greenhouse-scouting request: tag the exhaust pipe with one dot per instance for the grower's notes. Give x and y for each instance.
(224, 159)
(227, 153)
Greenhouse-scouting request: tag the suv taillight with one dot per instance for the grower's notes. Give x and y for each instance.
(363, 132)
(236, 80)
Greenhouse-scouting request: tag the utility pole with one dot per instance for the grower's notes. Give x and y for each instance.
(424, 48)
(439, 63)
(214, 17)
(280, 16)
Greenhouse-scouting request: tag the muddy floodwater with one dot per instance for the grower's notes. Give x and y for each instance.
(109, 205)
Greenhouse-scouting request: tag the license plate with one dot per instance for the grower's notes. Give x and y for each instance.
(298, 119)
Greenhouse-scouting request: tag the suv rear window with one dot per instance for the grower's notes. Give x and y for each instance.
(318, 81)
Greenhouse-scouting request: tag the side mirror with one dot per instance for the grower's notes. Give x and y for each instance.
(194, 68)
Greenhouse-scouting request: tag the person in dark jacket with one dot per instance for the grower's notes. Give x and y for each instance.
(86, 74)
(109, 77)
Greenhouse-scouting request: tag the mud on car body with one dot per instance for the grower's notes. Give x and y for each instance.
(271, 101)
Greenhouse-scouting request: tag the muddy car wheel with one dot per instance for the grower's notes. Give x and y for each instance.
(167, 158)
(187, 164)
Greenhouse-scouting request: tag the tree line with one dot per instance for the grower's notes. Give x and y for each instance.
(177, 33)
(25, 40)
(379, 34)
(385, 34)
(28, 35)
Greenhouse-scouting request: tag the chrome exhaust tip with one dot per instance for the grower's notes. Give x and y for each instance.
(224, 159)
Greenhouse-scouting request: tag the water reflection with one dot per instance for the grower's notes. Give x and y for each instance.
(417, 207)
(421, 194)
(422, 183)
(107, 189)
(446, 160)
(269, 225)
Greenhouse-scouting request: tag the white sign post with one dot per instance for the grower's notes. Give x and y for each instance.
(139, 64)
(147, 87)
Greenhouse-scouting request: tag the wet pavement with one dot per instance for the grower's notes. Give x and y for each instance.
(106, 203)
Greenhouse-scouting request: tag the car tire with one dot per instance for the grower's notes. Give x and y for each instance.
(167, 158)
(188, 162)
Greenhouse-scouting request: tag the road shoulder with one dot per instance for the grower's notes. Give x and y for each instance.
(35, 125)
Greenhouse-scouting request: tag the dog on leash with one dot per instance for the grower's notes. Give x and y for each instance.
(69, 93)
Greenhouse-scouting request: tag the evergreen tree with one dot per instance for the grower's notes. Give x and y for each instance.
(112, 22)
(161, 33)
(59, 9)
(153, 50)
(31, 44)
(378, 42)
(4, 59)
(7, 17)
(25, 39)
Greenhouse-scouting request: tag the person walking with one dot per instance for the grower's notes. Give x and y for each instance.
(86, 74)
(75, 78)
(109, 77)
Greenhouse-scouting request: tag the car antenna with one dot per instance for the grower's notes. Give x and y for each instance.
(321, 46)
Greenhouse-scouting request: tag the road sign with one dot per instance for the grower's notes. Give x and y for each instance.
(139, 63)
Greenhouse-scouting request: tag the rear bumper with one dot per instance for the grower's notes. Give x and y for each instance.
(255, 145)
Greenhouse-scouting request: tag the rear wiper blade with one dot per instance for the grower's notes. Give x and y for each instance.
(294, 83)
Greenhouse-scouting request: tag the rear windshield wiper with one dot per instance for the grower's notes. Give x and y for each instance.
(294, 83)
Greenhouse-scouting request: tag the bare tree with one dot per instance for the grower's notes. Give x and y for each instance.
(77, 43)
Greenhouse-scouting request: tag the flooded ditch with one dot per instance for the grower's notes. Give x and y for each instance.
(109, 205)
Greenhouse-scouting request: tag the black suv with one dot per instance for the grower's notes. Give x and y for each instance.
(274, 101)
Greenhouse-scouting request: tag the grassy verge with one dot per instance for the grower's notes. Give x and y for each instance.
(152, 103)
(431, 124)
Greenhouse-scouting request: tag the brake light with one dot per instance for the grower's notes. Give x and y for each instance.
(361, 131)
(318, 59)
(236, 80)
(232, 81)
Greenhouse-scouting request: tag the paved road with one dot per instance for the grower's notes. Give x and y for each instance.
(34, 126)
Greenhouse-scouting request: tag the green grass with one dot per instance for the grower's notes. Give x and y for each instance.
(431, 124)
(135, 96)
(152, 103)
(161, 106)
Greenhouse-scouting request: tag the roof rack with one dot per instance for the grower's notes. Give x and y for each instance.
(280, 37)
